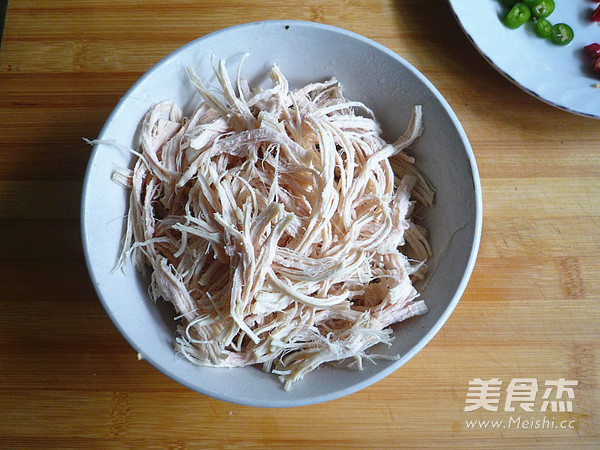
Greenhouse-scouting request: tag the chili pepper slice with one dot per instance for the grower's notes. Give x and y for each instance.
(562, 34)
(543, 28)
(596, 65)
(592, 50)
(517, 16)
(596, 14)
(532, 3)
(543, 9)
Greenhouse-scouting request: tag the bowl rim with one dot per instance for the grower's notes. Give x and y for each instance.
(335, 394)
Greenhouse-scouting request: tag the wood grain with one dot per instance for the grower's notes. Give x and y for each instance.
(531, 309)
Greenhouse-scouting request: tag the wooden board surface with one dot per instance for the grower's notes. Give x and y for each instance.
(531, 310)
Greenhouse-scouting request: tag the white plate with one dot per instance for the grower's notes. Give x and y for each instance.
(558, 75)
(305, 52)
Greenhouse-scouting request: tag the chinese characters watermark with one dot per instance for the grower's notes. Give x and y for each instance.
(521, 394)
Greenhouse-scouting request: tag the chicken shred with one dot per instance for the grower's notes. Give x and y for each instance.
(278, 223)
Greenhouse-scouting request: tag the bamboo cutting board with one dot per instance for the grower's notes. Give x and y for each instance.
(526, 329)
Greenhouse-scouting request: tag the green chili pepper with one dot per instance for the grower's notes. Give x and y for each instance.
(532, 3)
(517, 16)
(543, 28)
(543, 9)
(562, 34)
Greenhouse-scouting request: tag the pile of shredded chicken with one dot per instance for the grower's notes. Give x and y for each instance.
(278, 223)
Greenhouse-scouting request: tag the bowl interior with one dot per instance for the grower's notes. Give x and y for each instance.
(305, 52)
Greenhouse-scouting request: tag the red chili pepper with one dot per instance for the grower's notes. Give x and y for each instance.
(596, 66)
(592, 50)
(596, 14)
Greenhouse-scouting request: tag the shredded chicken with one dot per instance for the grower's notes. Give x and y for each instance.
(278, 223)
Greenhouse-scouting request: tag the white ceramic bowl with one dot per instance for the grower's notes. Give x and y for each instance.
(305, 52)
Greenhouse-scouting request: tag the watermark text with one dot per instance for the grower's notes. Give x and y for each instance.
(521, 423)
